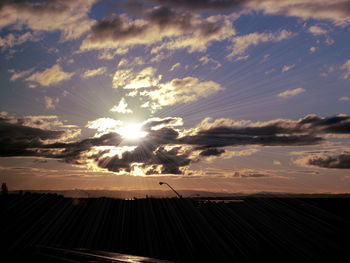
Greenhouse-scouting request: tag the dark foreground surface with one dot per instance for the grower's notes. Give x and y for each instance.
(42, 227)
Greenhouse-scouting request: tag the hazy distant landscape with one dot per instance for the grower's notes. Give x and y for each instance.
(78, 193)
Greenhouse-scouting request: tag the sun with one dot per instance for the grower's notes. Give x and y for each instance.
(129, 131)
(132, 131)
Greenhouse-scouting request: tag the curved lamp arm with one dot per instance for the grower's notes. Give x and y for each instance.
(161, 183)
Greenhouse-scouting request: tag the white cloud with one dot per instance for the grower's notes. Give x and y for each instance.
(109, 55)
(180, 30)
(151, 105)
(313, 49)
(161, 56)
(175, 66)
(199, 42)
(69, 17)
(268, 72)
(316, 30)
(123, 62)
(136, 62)
(275, 162)
(206, 59)
(227, 154)
(329, 70)
(265, 58)
(344, 99)
(287, 67)
(242, 43)
(12, 40)
(336, 11)
(20, 74)
(132, 93)
(128, 79)
(184, 90)
(104, 125)
(346, 67)
(158, 94)
(242, 58)
(329, 41)
(50, 103)
(291, 93)
(44, 122)
(94, 72)
(122, 107)
(50, 76)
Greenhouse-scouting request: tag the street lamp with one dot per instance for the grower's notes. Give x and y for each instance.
(161, 183)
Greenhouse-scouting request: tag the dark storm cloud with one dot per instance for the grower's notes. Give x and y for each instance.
(232, 139)
(16, 139)
(336, 11)
(210, 138)
(115, 28)
(212, 152)
(337, 124)
(19, 140)
(72, 151)
(141, 154)
(167, 150)
(155, 25)
(135, 6)
(69, 17)
(104, 140)
(150, 152)
(49, 6)
(170, 160)
(305, 131)
(341, 161)
(159, 123)
(118, 28)
(249, 175)
(14, 128)
(165, 135)
(162, 19)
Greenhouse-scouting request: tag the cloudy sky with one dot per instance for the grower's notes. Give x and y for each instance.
(217, 95)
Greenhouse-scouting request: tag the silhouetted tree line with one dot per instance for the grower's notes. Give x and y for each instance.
(180, 229)
(4, 189)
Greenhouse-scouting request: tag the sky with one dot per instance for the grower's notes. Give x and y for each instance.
(216, 95)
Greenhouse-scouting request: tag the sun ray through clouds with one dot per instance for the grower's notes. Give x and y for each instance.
(226, 92)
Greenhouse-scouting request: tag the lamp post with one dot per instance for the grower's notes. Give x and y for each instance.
(161, 183)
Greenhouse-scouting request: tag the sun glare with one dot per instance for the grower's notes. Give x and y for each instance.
(132, 131)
